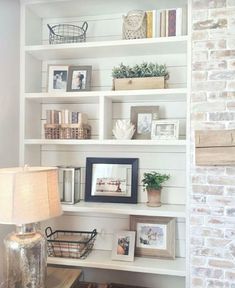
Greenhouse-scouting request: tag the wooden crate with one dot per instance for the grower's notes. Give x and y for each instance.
(139, 83)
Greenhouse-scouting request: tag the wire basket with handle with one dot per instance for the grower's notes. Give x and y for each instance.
(67, 33)
(70, 244)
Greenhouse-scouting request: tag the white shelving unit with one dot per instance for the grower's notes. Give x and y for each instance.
(102, 260)
(104, 49)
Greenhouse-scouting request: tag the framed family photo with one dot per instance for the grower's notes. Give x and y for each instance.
(155, 236)
(112, 180)
(165, 130)
(57, 78)
(123, 246)
(79, 78)
(142, 117)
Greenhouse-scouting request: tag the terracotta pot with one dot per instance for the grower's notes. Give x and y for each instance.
(154, 198)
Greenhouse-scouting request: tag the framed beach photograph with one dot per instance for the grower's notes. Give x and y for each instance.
(79, 78)
(165, 130)
(57, 78)
(142, 117)
(111, 180)
(123, 246)
(155, 236)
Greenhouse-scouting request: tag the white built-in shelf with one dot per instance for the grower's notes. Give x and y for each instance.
(102, 260)
(179, 142)
(127, 209)
(115, 48)
(164, 95)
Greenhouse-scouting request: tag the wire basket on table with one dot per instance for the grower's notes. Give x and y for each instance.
(67, 33)
(70, 244)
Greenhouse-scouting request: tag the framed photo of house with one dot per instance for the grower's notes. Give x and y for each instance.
(142, 117)
(112, 180)
(57, 78)
(165, 130)
(79, 78)
(155, 236)
(123, 246)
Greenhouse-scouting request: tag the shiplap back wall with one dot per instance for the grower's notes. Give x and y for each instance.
(163, 159)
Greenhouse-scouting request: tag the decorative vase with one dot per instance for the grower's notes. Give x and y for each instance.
(154, 197)
(123, 130)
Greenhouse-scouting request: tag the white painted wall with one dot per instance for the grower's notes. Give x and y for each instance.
(9, 93)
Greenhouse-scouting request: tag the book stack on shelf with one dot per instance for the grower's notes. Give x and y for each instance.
(167, 22)
(64, 124)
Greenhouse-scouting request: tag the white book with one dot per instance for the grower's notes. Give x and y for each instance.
(179, 21)
(158, 23)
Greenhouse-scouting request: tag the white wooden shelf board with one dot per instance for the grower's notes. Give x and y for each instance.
(179, 142)
(127, 209)
(102, 260)
(115, 48)
(116, 96)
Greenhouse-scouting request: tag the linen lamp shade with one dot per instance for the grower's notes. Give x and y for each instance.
(28, 194)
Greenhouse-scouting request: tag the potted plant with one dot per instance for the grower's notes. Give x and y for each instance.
(143, 76)
(152, 182)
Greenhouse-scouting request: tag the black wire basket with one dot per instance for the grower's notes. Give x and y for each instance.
(70, 244)
(66, 33)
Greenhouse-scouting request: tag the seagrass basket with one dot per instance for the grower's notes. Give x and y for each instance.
(67, 131)
(134, 25)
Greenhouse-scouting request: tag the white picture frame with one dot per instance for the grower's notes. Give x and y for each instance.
(57, 78)
(165, 130)
(123, 246)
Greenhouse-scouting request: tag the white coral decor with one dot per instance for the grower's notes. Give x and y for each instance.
(123, 129)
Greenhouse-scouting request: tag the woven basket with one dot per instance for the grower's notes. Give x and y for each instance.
(135, 25)
(67, 131)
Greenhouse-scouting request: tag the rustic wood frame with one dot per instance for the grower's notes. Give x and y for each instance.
(135, 110)
(169, 252)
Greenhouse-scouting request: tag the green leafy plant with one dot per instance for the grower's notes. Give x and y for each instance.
(154, 180)
(143, 70)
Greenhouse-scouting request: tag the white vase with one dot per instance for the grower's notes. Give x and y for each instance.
(123, 130)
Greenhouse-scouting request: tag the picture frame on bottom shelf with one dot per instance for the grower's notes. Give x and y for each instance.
(79, 78)
(113, 180)
(123, 246)
(142, 117)
(57, 78)
(155, 236)
(165, 130)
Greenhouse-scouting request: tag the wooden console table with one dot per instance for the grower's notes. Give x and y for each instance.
(58, 277)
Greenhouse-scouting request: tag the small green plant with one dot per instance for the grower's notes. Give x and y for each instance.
(154, 180)
(143, 70)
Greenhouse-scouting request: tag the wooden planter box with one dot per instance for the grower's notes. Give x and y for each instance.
(139, 83)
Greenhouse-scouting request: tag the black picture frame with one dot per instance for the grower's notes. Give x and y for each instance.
(94, 195)
(81, 84)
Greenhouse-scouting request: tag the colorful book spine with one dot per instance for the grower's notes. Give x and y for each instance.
(149, 24)
(172, 22)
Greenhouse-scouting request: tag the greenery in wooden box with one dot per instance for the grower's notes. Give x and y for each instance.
(143, 76)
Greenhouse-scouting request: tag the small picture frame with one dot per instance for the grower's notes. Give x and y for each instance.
(79, 78)
(155, 236)
(57, 78)
(165, 130)
(113, 180)
(123, 246)
(142, 117)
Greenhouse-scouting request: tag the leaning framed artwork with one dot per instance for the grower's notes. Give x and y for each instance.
(112, 180)
(57, 78)
(123, 246)
(79, 78)
(165, 130)
(142, 117)
(155, 236)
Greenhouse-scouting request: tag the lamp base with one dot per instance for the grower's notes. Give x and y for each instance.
(26, 258)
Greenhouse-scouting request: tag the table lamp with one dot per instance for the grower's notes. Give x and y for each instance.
(27, 195)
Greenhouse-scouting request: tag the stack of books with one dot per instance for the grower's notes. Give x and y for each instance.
(167, 22)
(65, 117)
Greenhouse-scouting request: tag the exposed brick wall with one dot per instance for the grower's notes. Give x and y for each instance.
(212, 221)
